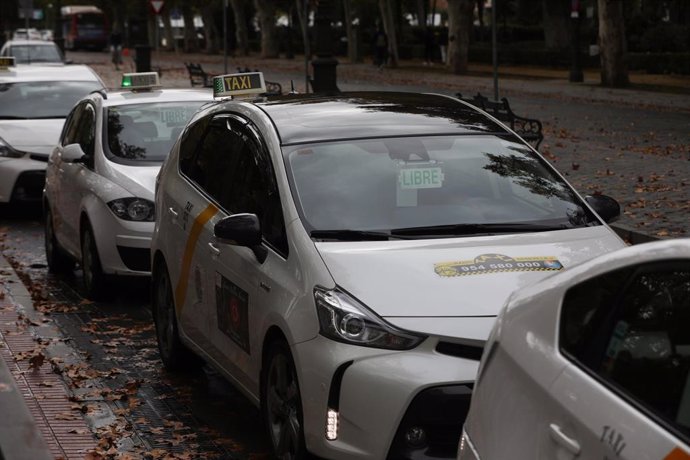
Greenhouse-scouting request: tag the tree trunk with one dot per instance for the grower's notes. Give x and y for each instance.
(422, 6)
(612, 44)
(389, 28)
(241, 32)
(266, 10)
(191, 43)
(208, 14)
(459, 25)
(352, 48)
(556, 27)
(304, 26)
(170, 42)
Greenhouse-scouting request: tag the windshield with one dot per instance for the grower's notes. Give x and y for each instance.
(42, 99)
(27, 54)
(396, 185)
(145, 132)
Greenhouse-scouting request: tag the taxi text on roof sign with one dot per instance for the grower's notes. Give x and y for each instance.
(239, 84)
(5, 62)
(140, 80)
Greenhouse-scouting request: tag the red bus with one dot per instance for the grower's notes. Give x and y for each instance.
(84, 27)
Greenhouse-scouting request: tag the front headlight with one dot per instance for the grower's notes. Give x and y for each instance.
(135, 209)
(7, 151)
(344, 319)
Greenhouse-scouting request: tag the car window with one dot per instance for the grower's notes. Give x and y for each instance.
(233, 167)
(34, 54)
(42, 99)
(392, 183)
(631, 329)
(86, 134)
(70, 130)
(145, 132)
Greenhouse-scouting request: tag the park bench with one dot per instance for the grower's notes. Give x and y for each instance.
(530, 129)
(197, 75)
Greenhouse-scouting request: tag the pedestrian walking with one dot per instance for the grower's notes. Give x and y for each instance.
(116, 47)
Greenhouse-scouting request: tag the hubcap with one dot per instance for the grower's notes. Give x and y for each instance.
(282, 404)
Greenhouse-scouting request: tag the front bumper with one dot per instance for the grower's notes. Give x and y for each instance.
(124, 247)
(22, 179)
(381, 396)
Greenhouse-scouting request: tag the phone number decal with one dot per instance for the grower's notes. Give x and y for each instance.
(495, 263)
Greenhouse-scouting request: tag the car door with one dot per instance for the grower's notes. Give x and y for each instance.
(626, 392)
(244, 287)
(75, 177)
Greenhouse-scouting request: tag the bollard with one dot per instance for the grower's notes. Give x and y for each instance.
(142, 58)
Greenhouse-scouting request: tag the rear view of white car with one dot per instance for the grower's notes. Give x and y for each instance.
(591, 363)
(98, 199)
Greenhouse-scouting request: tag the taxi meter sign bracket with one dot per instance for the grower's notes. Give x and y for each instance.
(239, 84)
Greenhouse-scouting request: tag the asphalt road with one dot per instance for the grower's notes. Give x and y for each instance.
(114, 369)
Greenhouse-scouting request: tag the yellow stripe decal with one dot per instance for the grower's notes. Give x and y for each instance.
(677, 454)
(197, 226)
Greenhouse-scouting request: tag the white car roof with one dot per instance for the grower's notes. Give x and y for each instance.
(34, 72)
(125, 97)
(28, 42)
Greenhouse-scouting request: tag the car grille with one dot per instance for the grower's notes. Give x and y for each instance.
(39, 157)
(137, 259)
(460, 350)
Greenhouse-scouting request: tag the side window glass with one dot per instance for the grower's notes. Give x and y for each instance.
(71, 128)
(642, 344)
(87, 130)
(189, 145)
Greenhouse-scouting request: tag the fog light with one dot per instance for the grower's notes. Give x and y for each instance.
(415, 436)
(332, 425)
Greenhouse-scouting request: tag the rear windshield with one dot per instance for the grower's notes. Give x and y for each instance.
(42, 99)
(32, 54)
(145, 132)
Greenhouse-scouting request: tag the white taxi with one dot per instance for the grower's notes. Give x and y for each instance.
(591, 363)
(341, 258)
(34, 101)
(98, 197)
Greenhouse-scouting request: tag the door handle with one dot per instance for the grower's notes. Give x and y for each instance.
(214, 250)
(570, 444)
(172, 211)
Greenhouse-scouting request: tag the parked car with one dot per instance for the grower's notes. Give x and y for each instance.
(341, 258)
(33, 52)
(34, 101)
(98, 198)
(592, 362)
(26, 34)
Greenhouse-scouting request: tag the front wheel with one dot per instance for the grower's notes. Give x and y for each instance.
(175, 356)
(281, 404)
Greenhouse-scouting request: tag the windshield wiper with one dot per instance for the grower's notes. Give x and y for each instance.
(473, 229)
(355, 235)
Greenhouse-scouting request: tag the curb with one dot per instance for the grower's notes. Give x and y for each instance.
(20, 437)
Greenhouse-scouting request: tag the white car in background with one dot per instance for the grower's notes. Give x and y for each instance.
(590, 363)
(34, 101)
(98, 199)
(33, 52)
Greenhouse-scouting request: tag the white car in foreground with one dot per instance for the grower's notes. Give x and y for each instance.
(98, 198)
(341, 259)
(34, 101)
(591, 363)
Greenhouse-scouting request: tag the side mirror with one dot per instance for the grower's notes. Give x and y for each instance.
(242, 230)
(73, 153)
(607, 208)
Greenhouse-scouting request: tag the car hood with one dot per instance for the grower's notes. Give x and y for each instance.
(35, 136)
(457, 277)
(140, 181)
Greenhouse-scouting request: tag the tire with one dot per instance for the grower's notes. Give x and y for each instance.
(175, 356)
(58, 260)
(281, 404)
(94, 279)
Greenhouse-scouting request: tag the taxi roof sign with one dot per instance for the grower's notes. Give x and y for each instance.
(6, 61)
(141, 80)
(238, 84)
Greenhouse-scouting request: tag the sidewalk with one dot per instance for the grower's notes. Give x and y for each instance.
(38, 419)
